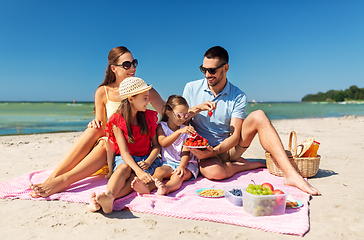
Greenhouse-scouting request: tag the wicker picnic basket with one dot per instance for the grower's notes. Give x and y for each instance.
(306, 166)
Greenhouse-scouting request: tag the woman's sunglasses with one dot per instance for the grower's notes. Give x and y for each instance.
(127, 64)
(212, 71)
(181, 115)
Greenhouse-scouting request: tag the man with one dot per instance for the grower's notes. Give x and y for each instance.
(227, 131)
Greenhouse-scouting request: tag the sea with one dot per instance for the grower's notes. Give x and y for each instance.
(45, 117)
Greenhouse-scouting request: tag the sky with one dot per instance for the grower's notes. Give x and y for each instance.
(279, 50)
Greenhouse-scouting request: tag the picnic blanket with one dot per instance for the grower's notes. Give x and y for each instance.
(184, 203)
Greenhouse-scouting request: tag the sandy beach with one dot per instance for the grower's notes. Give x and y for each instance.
(337, 214)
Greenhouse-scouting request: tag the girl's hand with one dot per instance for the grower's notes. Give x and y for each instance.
(144, 165)
(188, 129)
(180, 171)
(145, 177)
(95, 124)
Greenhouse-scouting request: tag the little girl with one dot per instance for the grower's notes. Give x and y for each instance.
(132, 131)
(178, 163)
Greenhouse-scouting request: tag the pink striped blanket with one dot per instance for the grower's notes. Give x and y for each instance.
(184, 203)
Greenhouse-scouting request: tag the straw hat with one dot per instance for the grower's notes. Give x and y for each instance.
(304, 146)
(132, 86)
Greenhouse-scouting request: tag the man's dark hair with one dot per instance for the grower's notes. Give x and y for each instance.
(217, 52)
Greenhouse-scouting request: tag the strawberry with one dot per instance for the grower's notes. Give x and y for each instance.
(196, 141)
(210, 113)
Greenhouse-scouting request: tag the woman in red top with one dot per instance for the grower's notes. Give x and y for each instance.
(132, 131)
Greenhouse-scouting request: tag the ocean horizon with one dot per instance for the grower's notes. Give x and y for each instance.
(44, 117)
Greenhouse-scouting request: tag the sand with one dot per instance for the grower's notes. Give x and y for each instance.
(337, 214)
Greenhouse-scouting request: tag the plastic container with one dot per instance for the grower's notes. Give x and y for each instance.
(236, 200)
(264, 205)
(312, 151)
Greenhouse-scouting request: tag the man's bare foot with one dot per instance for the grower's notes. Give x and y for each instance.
(162, 188)
(139, 186)
(48, 188)
(106, 201)
(94, 205)
(296, 180)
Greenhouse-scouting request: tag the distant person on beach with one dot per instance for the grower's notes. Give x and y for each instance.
(88, 153)
(227, 129)
(132, 130)
(178, 165)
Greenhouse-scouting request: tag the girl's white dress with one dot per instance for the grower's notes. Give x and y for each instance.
(171, 155)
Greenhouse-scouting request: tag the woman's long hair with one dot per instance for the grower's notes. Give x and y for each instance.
(113, 57)
(125, 111)
(172, 102)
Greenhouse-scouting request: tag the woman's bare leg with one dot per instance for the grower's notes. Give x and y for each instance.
(82, 146)
(89, 165)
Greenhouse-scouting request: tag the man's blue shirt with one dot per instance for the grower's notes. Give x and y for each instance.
(230, 103)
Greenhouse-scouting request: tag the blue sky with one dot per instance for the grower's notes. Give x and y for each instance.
(279, 50)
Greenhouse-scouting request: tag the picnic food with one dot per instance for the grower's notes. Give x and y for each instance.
(210, 113)
(196, 141)
(211, 192)
(277, 191)
(268, 185)
(291, 202)
(257, 189)
(236, 192)
(260, 201)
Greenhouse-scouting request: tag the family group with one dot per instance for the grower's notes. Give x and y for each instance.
(141, 151)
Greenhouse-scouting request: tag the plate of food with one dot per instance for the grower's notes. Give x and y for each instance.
(210, 192)
(195, 146)
(196, 142)
(293, 203)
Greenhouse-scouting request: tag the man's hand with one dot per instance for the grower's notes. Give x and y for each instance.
(207, 106)
(204, 153)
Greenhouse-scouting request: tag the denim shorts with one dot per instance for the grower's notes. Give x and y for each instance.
(119, 160)
(190, 166)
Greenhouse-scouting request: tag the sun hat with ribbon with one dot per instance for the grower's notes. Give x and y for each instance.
(132, 86)
(304, 146)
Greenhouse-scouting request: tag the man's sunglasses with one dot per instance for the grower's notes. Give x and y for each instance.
(127, 64)
(212, 71)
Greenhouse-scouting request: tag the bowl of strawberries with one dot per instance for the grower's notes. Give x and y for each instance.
(196, 141)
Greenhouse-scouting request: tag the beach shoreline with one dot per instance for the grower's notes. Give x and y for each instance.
(336, 214)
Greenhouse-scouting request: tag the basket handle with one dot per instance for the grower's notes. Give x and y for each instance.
(293, 137)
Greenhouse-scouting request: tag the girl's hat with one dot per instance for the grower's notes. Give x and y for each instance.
(132, 86)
